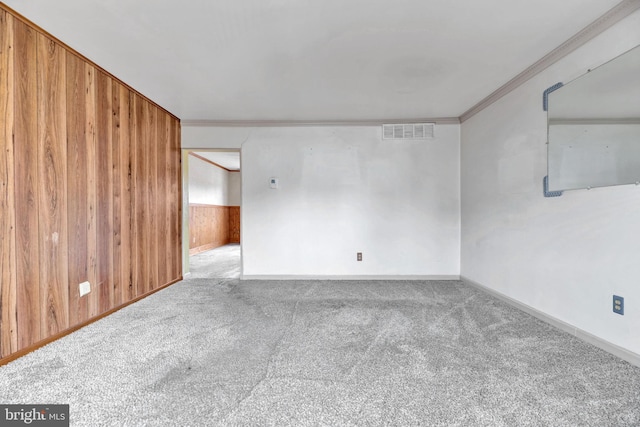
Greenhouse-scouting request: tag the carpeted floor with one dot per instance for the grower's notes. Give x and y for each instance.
(208, 352)
(222, 262)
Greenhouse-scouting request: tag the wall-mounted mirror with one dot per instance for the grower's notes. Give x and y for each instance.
(594, 127)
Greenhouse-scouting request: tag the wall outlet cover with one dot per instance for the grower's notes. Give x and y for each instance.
(618, 305)
(85, 288)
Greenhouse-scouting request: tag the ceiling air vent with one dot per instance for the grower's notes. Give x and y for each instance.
(408, 131)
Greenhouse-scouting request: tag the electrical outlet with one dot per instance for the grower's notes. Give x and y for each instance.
(85, 288)
(618, 305)
(359, 256)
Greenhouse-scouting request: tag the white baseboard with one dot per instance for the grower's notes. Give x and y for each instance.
(605, 345)
(347, 277)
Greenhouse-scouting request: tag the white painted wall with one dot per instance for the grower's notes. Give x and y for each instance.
(234, 188)
(213, 136)
(208, 184)
(343, 190)
(563, 256)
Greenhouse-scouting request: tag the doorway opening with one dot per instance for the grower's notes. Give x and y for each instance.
(212, 183)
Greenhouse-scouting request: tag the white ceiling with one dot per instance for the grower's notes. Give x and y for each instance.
(227, 159)
(313, 60)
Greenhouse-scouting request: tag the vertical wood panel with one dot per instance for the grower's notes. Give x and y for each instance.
(8, 303)
(176, 198)
(234, 224)
(127, 151)
(169, 198)
(151, 226)
(177, 179)
(104, 191)
(52, 177)
(26, 176)
(77, 205)
(116, 173)
(172, 191)
(139, 205)
(92, 164)
(161, 201)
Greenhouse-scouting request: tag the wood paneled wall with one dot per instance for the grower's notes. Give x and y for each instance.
(211, 226)
(234, 224)
(208, 227)
(89, 189)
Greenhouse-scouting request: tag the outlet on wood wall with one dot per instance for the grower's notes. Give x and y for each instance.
(89, 189)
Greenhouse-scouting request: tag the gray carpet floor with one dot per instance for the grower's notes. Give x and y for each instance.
(222, 262)
(218, 351)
